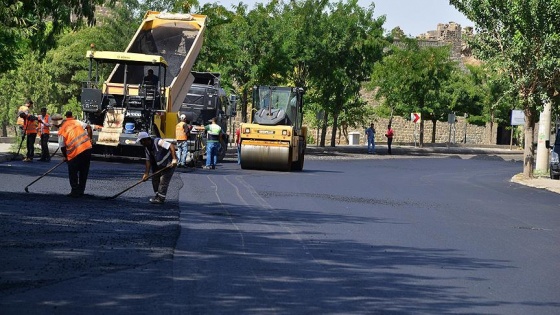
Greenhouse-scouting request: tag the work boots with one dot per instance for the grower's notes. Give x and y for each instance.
(157, 200)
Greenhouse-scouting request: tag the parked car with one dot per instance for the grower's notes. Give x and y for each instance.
(554, 156)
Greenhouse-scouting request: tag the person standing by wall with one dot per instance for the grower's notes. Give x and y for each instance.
(44, 131)
(370, 134)
(214, 132)
(238, 144)
(160, 157)
(74, 139)
(182, 130)
(390, 133)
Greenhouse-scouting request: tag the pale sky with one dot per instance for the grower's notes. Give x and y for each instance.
(413, 16)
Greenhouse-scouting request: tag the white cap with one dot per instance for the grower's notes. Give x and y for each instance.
(56, 119)
(142, 135)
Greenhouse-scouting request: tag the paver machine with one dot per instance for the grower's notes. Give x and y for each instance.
(275, 139)
(124, 103)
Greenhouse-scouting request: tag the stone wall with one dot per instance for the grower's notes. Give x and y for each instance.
(404, 132)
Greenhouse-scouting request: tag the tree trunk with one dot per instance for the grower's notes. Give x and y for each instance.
(324, 129)
(421, 141)
(343, 132)
(334, 129)
(4, 130)
(244, 105)
(434, 122)
(543, 136)
(529, 151)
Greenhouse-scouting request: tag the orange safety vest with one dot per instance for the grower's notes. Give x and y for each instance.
(75, 136)
(180, 133)
(31, 126)
(44, 129)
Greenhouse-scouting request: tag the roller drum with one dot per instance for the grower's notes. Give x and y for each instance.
(261, 157)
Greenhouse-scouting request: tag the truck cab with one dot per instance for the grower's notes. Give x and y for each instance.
(206, 99)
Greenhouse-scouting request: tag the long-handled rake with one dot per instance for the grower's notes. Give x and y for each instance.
(52, 169)
(21, 142)
(140, 182)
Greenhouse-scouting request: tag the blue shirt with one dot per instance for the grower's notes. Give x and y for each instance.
(370, 132)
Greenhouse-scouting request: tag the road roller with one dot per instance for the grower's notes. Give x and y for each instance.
(275, 139)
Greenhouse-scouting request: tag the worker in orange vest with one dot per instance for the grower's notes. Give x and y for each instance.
(26, 109)
(182, 131)
(74, 139)
(44, 132)
(30, 127)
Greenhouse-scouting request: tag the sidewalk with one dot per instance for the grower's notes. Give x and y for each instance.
(7, 153)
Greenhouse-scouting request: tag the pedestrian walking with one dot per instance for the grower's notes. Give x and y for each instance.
(238, 144)
(370, 134)
(182, 131)
(74, 139)
(214, 137)
(160, 157)
(44, 133)
(390, 133)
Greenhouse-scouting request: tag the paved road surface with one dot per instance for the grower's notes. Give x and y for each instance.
(377, 235)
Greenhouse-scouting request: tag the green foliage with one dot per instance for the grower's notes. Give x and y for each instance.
(520, 38)
(68, 64)
(41, 21)
(408, 79)
(411, 79)
(351, 42)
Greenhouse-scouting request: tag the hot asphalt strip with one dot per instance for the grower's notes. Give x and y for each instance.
(8, 153)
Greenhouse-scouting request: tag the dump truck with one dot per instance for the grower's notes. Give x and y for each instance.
(127, 102)
(206, 99)
(275, 139)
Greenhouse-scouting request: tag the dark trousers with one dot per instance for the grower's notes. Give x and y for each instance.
(31, 145)
(389, 142)
(45, 156)
(78, 170)
(160, 182)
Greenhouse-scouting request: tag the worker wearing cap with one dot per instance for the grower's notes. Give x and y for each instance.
(30, 127)
(26, 109)
(74, 139)
(214, 132)
(182, 131)
(160, 156)
(44, 131)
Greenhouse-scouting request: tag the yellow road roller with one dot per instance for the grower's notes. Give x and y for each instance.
(275, 138)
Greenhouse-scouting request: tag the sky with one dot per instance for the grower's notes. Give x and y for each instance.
(413, 16)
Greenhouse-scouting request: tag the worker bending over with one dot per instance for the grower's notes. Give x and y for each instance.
(160, 156)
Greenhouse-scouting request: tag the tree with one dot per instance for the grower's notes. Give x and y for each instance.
(68, 65)
(410, 79)
(496, 93)
(520, 38)
(40, 21)
(350, 42)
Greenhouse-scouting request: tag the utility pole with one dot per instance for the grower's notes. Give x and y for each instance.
(544, 134)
